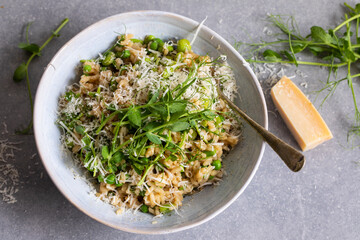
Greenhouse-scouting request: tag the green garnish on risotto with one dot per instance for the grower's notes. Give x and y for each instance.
(146, 121)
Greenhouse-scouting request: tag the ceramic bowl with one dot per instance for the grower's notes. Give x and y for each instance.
(240, 165)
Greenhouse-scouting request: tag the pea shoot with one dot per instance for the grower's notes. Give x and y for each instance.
(334, 48)
(22, 71)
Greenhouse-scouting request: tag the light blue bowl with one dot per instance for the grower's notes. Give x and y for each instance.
(240, 165)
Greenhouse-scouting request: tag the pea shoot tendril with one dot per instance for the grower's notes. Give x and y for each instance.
(22, 71)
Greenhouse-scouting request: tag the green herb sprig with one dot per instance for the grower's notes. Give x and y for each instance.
(335, 48)
(22, 71)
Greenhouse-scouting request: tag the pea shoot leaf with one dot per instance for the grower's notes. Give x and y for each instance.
(271, 55)
(349, 55)
(86, 140)
(179, 126)
(154, 97)
(117, 157)
(298, 47)
(318, 34)
(159, 110)
(30, 47)
(209, 115)
(153, 138)
(316, 50)
(138, 166)
(20, 72)
(151, 126)
(288, 55)
(177, 107)
(357, 8)
(105, 152)
(135, 116)
(80, 130)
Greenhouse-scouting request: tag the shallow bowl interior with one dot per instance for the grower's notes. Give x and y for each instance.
(240, 164)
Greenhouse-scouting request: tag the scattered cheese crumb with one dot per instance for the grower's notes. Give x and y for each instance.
(304, 84)
(5, 131)
(9, 175)
(267, 31)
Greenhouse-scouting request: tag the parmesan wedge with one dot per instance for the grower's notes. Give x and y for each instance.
(300, 115)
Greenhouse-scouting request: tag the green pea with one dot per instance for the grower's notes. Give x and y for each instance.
(154, 45)
(216, 164)
(148, 38)
(110, 179)
(160, 42)
(109, 58)
(134, 40)
(170, 48)
(125, 54)
(144, 208)
(210, 154)
(211, 177)
(165, 208)
(86, 68)
(183, 45)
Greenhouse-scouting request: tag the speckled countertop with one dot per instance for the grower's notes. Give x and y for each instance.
(320, 202)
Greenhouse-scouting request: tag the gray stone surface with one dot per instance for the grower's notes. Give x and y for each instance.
(320, 202)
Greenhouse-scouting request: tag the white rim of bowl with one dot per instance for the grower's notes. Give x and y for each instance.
(203, 28)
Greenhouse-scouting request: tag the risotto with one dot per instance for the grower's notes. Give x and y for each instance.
(145, 120)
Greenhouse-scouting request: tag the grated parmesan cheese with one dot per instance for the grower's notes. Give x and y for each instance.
(9, 175)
